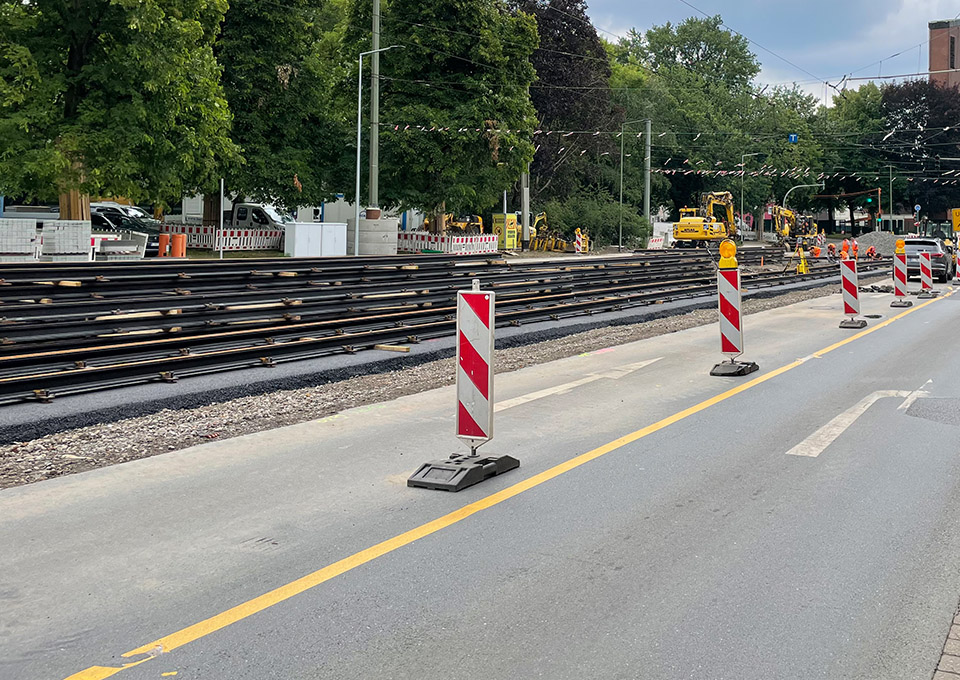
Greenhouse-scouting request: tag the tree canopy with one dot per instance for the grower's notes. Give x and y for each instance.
(156, 99)
(278, 88)
(119, 98)
(457, 117)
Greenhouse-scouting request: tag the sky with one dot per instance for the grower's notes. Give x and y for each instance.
(823, 38)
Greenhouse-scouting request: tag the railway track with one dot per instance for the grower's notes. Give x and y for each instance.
(67, 330)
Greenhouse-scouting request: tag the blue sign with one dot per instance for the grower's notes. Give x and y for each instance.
(916, 208)
(793, 138)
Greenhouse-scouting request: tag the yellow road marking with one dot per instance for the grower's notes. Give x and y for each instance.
(304, 583)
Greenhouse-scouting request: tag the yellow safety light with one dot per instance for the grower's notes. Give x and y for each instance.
(728, 254)
(901, 246)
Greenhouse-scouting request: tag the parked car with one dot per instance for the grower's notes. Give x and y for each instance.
(941, 257)
(119, 211)
(114, 221)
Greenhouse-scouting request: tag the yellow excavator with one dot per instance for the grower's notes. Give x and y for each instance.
(789, 226)
(710, 223)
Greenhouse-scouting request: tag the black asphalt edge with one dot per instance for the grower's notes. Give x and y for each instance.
(32, 421)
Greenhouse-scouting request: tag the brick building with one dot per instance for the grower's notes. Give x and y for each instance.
(944, 45)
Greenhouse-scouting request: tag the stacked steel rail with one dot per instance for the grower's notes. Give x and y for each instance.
(70, 329)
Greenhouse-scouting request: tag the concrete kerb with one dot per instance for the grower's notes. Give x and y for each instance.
(24, 422)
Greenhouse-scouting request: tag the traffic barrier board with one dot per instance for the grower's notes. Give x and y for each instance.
(850, 286)
(474, 415)
(731, 320)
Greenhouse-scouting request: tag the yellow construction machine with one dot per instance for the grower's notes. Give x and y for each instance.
(710, 223)
(464, 224)
(509, 229)
(789, 226)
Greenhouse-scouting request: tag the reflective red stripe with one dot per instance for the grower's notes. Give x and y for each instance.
(480, 304)
(850, 287)
(474, 366)
(727, 347)
(466, 425)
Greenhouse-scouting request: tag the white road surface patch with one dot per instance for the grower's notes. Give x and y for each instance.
(816, 443)
(613, 374)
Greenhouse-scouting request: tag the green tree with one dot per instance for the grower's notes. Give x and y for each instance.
(278, 86)
(636, 90)
(597, 214)
(460, 84)
(699, 95)
(110, 97)
(571, 93)
(853, 127)
(695, 81)
(922, 117)
(699, 46)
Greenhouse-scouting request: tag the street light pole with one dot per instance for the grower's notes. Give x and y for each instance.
(356, 198)
(220, 221)
(801, 186)
(743, 172)
(374, 182)
(646, 179)
(620, 242)
(646, 173)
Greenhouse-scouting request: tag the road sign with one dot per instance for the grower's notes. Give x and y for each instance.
(793, 138)
(955, 213)
(916, 208)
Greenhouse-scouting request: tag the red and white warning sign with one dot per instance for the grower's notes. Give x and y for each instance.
(475, 326)
(731, 328)
(900, 275)
(926, 272)
(851, 288)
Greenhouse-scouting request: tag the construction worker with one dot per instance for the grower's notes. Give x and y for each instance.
(845, 249)
(856, 248)
(832, 250)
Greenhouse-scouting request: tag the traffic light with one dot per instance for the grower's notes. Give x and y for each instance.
(869, 199)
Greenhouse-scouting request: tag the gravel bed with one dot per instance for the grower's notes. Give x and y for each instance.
(884, 241)
(97, 446)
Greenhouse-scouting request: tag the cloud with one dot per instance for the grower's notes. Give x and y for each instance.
(825, 37)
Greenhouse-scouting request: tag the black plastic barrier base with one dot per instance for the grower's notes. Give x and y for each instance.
(900, 302)
(853, 323)
(928, 294)
(458, 472)
(734, 368)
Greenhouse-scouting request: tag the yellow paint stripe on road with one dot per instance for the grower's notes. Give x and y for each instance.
(285, 592)
(103, 672)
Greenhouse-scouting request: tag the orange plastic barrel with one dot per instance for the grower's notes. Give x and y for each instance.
(164, 243)
(178, 246)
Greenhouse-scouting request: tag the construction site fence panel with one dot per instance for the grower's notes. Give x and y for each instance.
(208, 238)
(415, 242)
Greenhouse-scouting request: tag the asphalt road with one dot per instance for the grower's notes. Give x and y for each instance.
(698, 546)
